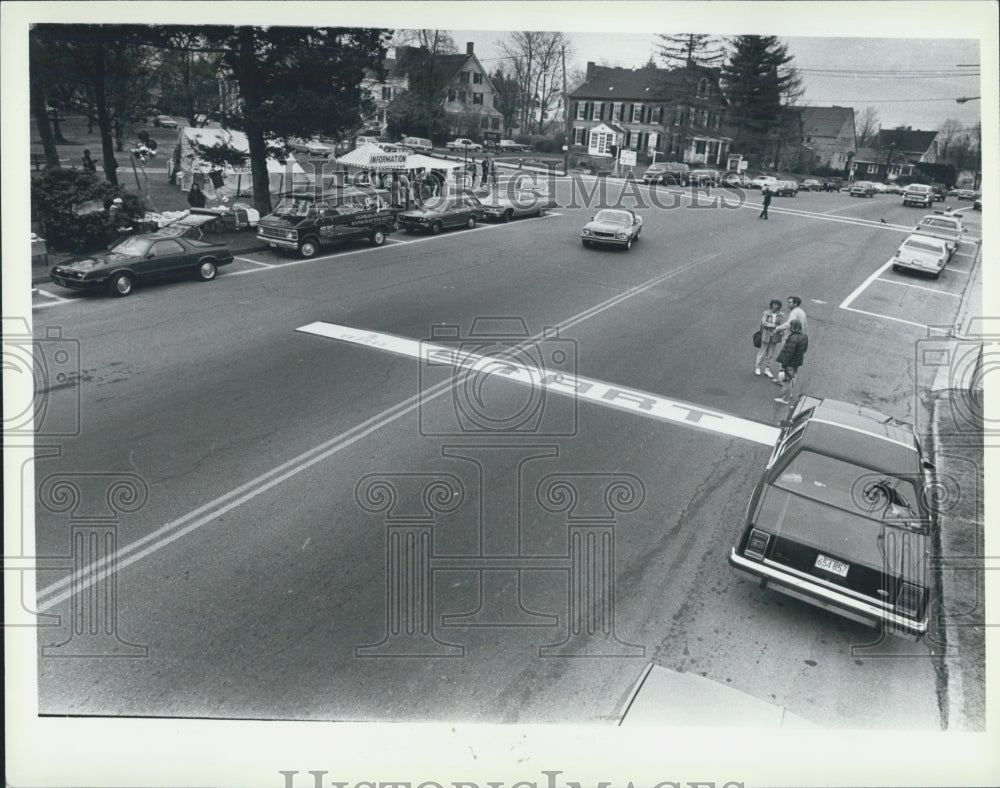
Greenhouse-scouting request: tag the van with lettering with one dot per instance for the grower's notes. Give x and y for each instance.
(304, 222)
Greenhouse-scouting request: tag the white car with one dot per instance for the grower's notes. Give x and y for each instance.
(310, 147)
(763, 180)
(463, 143)
(947, 227)
(923, 253)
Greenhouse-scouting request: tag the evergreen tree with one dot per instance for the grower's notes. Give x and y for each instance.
(690, 49)
(760, 84)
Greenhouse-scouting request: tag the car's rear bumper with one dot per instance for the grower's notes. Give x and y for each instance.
(914, 265)
(827, 598)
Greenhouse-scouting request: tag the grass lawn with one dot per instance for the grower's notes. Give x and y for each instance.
(153, 187)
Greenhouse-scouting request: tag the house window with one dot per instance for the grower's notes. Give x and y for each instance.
(699, 146)
(495, 124)
(451, 95)
(872, 169)
(581, 110)
(598, 110)
(386, 93)
(637, 113)
(677, 116)
(703, 88)
(477, 98)
(579, 135)
(463, 77)
(477, 78)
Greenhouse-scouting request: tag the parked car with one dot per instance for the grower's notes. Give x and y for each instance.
(923, 253)
(510, 146)
(839, 518)
(304, 221)
(612, 226)
(666, 172)
(735, 180)
(894, 188)
(502, 206)
(918, 194)
(417, 144)
(463, 210)
(965, 194)
(164, 121)
(463, 144)
(862, 189)
(832, 184)
(310, 147)
(365, 139)
(761, 181)
(810, 185)
(940, 191)
(142, 258)
(784, 188)
(947, 227)
(977, 202)
(702, 178)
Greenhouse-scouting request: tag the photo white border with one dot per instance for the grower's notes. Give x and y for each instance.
(133, 752)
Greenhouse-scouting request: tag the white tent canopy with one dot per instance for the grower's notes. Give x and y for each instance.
(373, 157)
(281, 176)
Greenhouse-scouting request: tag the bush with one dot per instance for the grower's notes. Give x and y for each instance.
(56, 194)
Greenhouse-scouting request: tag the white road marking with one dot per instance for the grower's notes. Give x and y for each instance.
(585, 389)
(919, 287)
(845, 304)
(61, 590)
(255, 262)
(817, 301)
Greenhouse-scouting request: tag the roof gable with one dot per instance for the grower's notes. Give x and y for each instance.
(906, 140)
(607, 83)
(825, 121)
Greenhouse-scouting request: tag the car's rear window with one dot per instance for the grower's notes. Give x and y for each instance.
(940, 223)
(882, 497)
(920, 246)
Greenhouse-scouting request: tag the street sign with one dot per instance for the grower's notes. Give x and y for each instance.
(628, 158)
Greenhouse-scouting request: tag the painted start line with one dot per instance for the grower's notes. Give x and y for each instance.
(505, 365)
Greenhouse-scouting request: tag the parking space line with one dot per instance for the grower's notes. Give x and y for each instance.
(887, 317)
(255, 262)
(919, 287)
(845, 304)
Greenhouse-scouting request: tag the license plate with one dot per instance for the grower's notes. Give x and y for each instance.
(831, 565)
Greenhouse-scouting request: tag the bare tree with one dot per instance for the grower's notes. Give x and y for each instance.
(437, 42)
(866, 126)
(950, 130)
(535, 63)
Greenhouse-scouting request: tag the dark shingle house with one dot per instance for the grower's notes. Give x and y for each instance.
(678, 113)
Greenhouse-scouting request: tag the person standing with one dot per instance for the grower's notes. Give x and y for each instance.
(790, 359)
(795, 312)
(767, 201)
(196, 197)
(486, 170)
(89, 165)
(770, 337)
(493, 171)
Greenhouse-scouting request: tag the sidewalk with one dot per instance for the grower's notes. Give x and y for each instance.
(957, 449)
(238, 241)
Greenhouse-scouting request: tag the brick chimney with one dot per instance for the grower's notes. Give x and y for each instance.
(468, 47)
(590, 69)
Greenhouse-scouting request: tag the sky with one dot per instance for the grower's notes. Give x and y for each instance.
(910, 81)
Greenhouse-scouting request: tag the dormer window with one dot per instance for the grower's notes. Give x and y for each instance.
(703, 88)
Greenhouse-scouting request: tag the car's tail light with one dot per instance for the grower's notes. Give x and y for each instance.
(757, 544)
(909, 600)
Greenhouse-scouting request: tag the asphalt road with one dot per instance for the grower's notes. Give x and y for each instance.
(280, 474)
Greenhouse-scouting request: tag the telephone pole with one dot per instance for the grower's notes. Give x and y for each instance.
(565, 108)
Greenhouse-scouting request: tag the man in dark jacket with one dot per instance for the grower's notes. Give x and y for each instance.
(790, 359)
(766, 193)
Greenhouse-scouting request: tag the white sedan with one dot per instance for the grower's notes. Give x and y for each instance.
(945, 227)
(923, 253)
(463, 144)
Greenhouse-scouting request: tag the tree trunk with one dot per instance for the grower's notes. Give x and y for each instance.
(44, 129)
(258, 170)
(103, 119)
(246, 74)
